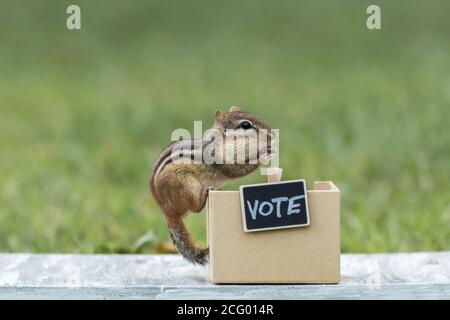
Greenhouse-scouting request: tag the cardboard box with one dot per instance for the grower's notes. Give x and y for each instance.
(297, 255)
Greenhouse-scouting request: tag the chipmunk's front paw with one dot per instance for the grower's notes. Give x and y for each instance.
(268, 156)
(265, 159)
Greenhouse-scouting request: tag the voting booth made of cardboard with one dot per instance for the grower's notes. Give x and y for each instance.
(309, 254)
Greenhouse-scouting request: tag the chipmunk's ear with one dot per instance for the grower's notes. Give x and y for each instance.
(219, 116)
(235, 109)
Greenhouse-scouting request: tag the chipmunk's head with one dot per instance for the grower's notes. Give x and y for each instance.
(252, 136)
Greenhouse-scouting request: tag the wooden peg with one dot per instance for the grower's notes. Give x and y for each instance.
(274, 174)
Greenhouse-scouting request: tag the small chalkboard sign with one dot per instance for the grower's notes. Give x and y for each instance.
(274, 205)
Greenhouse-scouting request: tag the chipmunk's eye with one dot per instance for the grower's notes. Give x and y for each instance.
(246, 125)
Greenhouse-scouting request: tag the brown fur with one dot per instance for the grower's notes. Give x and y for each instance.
(181, 188)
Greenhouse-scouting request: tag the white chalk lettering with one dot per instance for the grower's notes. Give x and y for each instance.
(254, 209)
(265, 208)
(265, 203)
(292, 205)
(278, 201)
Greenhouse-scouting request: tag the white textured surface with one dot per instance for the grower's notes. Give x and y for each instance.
(364, 276)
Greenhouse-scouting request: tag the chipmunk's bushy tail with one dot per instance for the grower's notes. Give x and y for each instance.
(184, 243)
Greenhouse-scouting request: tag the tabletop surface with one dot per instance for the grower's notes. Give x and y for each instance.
(100, 276)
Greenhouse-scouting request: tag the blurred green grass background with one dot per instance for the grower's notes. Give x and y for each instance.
(85, 113)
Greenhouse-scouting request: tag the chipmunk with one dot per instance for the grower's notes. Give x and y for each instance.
(181, 187)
